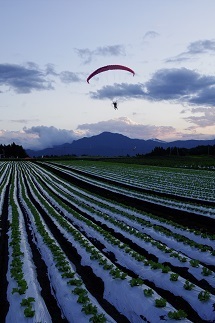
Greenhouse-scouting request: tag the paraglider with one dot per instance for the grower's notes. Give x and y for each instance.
(109, 67)
(115, 105)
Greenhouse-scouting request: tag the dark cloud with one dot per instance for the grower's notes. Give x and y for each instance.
(69, 77)
(122, 90)
(23, 79)
(87, 55)
(182, 86)
(201, 47)
(115, 50)
(28, 78)
(195, 48)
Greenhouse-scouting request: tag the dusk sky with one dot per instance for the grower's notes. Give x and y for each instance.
(49, 48)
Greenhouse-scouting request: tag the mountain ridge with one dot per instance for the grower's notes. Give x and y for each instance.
(110, 144)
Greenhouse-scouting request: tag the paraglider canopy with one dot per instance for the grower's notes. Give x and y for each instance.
(109, 67)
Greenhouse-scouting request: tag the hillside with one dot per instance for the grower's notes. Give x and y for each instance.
(113, 144)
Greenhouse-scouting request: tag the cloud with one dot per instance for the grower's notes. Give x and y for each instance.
(128, 128)
(115, 50)
(150, 34)
(201, 46)
(87, 55)
(29, 78)
(123, 90)
(69, 77)
(25, 121)
(41, 137)
(24, 79)
(205, 119)
(195, 48)
(180, 85)
(38, 137)
(176, 85)
(50, 70)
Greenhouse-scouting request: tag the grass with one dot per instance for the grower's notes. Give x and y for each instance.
(195, 162)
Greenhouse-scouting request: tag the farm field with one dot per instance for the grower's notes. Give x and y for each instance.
(86, 241)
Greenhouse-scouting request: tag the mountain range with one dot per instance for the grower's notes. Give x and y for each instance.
(113, 144)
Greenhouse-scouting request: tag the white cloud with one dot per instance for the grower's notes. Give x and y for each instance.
(38, 137)
(41, 137)
(205, 119)
(129, 128)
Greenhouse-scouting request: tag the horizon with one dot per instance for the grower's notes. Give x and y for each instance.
(49, 49)
(111, 133)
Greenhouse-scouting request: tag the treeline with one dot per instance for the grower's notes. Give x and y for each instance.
(175, 151)
(12, 151)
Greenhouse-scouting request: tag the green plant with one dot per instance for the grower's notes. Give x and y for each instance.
(29, 312)
(188, 285)
(206, 271)
(98, 318)
(89, 309)
(107, 266)
(68, 275)
(204, 296)
(174, 277)
(194, 263)
(203, 248)
(79, 291)
(148, 292)
(27, 301)
(115, 273)
(177, 315)
(123, 275)
(83, 299)
(75, 282)
(165, 269)
(160, 302)
(155, 265)
(182, 259)
(136, 282)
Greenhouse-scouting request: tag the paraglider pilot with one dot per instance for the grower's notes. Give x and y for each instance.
(115, 105)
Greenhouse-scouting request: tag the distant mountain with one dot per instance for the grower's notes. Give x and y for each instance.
(113, 144)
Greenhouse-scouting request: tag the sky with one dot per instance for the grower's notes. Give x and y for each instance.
(50, 47)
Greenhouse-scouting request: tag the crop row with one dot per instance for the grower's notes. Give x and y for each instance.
(189, 183)
(203, 210)
(84, 237)
(95, 254)
(52, 187)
